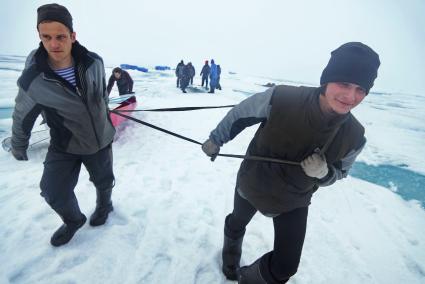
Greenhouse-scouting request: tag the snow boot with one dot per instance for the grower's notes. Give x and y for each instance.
(73, 220)
(251, 274)
(232, 251)
(259, 272)
(103, 207)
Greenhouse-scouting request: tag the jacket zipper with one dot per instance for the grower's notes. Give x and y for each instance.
(84, 98)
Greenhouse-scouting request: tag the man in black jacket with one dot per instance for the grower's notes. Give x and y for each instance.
(218, 77)
(184, 75)
(205, 73)
(192, 72)
(179, 67)
(311, 127)
(123, 79)
(66, 83)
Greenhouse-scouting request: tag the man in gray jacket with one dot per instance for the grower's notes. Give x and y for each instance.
(66, 83)
(311, 127)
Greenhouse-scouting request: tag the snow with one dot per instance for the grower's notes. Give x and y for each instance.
(170, 201)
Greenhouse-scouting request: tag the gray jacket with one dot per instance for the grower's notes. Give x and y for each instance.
(78, 117)
(274, 188)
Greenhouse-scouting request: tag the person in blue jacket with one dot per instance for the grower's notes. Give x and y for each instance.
(213, 77)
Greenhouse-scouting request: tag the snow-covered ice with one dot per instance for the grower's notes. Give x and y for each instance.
(170, 200)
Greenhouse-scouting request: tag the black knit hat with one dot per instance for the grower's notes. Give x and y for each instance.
(54, 12)
(117, 70)
(353, 62)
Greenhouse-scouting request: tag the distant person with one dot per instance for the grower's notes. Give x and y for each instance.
(205, 73)
(192, 72)
(178, 72)
(310, 126)
(66, 83)
(184, 77)
(213, 77)
(123, 79)
(218, 77)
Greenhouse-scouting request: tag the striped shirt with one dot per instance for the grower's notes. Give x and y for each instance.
(68, 74)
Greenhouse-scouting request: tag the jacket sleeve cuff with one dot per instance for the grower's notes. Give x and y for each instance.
(328, 179)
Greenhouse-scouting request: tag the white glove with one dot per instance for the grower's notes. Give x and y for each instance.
(211, 149)
(315, 166)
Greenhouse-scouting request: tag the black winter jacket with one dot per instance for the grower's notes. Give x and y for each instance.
(124, 83)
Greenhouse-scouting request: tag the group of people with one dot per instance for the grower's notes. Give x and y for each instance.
(311, 126)
(185, 74)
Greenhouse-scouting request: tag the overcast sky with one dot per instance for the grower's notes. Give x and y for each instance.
(277, 38)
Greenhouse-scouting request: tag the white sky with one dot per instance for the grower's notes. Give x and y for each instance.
(281, 39)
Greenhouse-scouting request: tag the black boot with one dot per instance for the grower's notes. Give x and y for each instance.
(73, 219)
(232, 251)
(103, 207)
(251, 274)
(259, 272)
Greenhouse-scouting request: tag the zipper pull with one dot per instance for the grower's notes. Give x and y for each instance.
(319, 152)
(78, 91)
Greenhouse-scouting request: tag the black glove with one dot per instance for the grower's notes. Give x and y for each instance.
(20, 155)
(211, 149)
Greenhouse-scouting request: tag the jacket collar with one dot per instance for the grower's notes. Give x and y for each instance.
(79, 54)
(81, 58)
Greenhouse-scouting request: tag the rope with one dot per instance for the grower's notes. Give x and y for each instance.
(253, 158)
(176, 108)
(156, 127)
(261, 159)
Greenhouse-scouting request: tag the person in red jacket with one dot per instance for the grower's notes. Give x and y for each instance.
(123, 79)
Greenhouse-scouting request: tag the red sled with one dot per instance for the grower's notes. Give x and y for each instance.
(128, 104)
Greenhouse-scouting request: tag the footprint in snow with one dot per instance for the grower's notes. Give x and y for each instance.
(160, 265)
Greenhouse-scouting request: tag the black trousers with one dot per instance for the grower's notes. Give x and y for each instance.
(205, 80)
(61, 172)
(218, 84)
(289, 231)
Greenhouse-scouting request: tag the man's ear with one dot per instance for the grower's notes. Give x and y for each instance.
(73, 37)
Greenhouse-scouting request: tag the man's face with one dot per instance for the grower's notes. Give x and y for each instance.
(57, 40)
(342, 97)
(117, 75)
